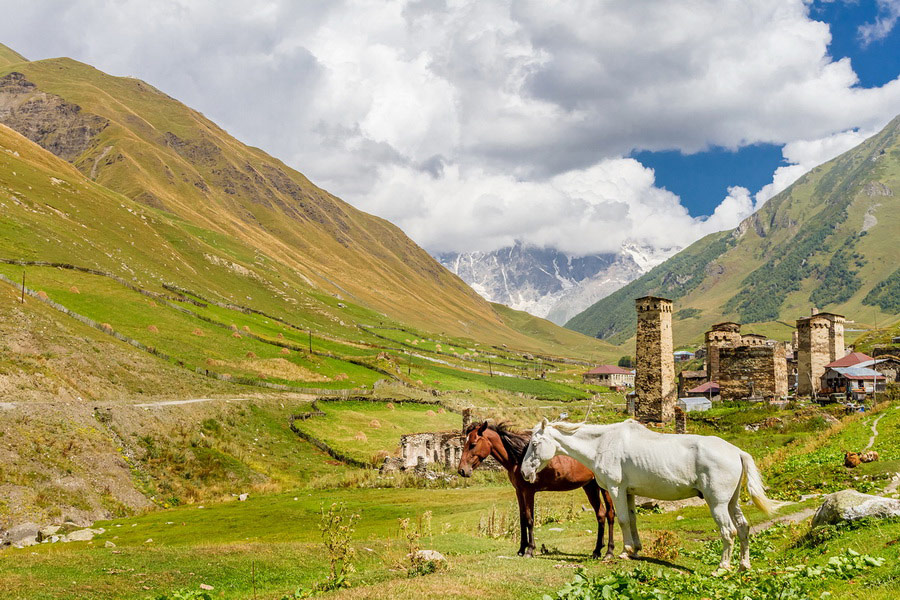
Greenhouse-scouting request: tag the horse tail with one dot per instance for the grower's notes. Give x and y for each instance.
(755, 484)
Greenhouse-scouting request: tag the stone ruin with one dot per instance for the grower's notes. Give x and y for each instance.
(418, 450)
(655, 365)
(722, 335)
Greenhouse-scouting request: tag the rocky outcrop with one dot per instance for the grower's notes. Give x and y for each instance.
(46, 119)
(850, 505)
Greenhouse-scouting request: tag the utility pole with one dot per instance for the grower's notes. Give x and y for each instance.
(309, 331)
(23, 286)
(490, 369)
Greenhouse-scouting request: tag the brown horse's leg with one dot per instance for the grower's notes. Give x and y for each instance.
(592, 491)
(523, 522)
(528, 495)
(610, 520)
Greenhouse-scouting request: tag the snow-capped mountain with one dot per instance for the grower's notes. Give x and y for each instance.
(548, 283)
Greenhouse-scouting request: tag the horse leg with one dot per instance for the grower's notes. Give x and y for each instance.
(620, 500)
(743, 529)
(610, 518)
(722, 516)
(528, 496)
(592, 491)
(632, 518)
(523, 522)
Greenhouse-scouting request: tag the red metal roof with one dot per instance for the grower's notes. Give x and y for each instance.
(854, 358)
(709, 386)
(608, 370)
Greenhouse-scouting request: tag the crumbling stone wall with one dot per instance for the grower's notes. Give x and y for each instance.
(655, 377)
(813, 352)
(722, 335)
(441, 447)
(753, 371)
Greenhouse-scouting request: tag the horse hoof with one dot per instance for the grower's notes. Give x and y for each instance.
(744, 566)
(722, 570)
(609, 556)
(625, 556)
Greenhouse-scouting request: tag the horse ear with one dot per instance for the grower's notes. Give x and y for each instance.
(544, 423)
(482, 428)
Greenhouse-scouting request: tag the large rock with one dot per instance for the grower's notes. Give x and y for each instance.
(83, 535)
(850, 505)
(431, 555)
(24, 534)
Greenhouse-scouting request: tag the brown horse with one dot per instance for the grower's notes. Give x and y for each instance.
(561, 475)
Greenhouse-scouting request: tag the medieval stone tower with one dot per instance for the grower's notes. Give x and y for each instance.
(835, 336)
(655, 376)
(722, 335)
(813, 352)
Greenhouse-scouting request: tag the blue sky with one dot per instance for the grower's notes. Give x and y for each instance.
(702, 179)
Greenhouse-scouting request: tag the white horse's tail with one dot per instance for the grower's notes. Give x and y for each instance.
(755, 484)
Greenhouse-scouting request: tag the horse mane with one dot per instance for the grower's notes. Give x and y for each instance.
(565, 426)
(515, 442)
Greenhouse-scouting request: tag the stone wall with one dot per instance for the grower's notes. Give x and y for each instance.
(655, 365)
(722, 335)
(752, 371)
(835, 336)
(813, 352)
(441, 447)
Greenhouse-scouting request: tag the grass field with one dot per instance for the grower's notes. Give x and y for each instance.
(269, 545)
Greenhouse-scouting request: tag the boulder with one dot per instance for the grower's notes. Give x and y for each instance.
(431, 555)
(850, 505)
(109, 544)
(24, 534)
(82, 535)
(48, 532)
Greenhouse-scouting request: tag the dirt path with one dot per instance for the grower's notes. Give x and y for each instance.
(790, 518)
(874, 431)
(189, 401)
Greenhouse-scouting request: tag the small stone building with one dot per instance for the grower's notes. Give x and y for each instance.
(753, 371)
(722, 335)
(610, 375)
(688, 380)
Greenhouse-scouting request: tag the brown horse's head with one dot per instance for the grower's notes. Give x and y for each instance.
(475, 449)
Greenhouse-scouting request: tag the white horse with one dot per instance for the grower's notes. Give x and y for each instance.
(628, 459)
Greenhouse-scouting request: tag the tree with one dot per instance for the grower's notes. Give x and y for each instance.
(625, 362)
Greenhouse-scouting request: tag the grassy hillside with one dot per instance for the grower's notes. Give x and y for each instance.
(221, 206)
(829, 240)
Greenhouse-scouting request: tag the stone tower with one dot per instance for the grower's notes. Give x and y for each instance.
(813, 352)
(722, 335)
(655, 376)
(835, 336)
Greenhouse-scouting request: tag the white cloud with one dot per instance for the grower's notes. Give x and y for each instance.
(888, 14)
(471, 123)
(803, 155)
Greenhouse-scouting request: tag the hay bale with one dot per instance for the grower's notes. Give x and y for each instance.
(280, 336)
(341, 377)
(198, 332)
(42, 295)
(74, 290)
(234, 327)
(106, 326)
(360, 437)
(210, 362)
(375, 424)
(246, 328)
(152, 328)
(251, 354)
(236, 335)
(441, 410)
(285, 351)
(390, 405)
(430, 413)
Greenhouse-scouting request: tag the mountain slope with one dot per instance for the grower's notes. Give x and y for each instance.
(153, 191)
(829, 240)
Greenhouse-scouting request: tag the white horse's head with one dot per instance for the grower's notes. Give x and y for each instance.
(541, 450)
